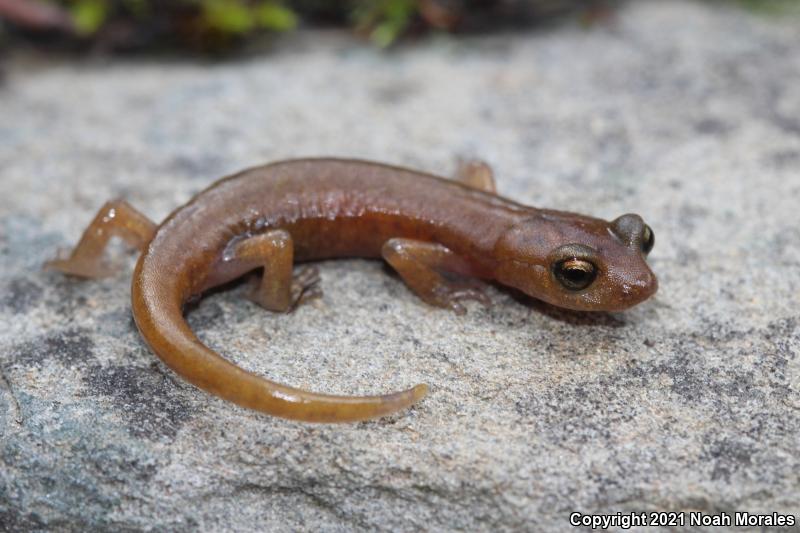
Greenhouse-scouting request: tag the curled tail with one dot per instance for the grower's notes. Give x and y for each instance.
(158, 295)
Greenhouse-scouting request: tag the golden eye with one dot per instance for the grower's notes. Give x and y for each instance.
(575, 274)
(648, 239)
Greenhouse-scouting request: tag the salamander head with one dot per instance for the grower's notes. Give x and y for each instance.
(578, 262)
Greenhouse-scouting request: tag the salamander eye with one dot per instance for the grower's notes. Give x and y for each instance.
(648, 239)
(575, 274)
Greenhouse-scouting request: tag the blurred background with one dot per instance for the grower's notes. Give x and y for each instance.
(219, 26)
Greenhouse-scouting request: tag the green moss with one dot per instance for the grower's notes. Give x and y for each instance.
(228, 16)
(272, 16)
(88, 15)
(385, 19)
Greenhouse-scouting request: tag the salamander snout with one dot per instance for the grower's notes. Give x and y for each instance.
(609, 275)
(633, 286)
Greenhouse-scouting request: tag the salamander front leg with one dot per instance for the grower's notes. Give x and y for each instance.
(116, 218)
(476, 174)
(279, 289)
(422, 266)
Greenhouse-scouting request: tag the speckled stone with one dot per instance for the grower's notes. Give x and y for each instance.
(688, 114)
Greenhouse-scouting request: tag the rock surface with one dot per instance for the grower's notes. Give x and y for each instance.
(684, 113)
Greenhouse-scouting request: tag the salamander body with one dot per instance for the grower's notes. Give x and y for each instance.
(439, 235)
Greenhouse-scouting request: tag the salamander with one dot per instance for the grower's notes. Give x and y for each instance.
(443, 237)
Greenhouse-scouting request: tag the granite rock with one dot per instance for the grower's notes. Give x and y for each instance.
(685, 113)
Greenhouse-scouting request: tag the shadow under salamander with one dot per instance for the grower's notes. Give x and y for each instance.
(576, 318)
(568, 316)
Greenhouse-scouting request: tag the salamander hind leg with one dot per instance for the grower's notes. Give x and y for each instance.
(279, 290)
(423, 267)
(476, 174)
(115, 219)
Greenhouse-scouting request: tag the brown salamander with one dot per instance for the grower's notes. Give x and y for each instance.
(436, 233)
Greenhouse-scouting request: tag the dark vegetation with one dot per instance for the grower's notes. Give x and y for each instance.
(223, 25)
(214, 26)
